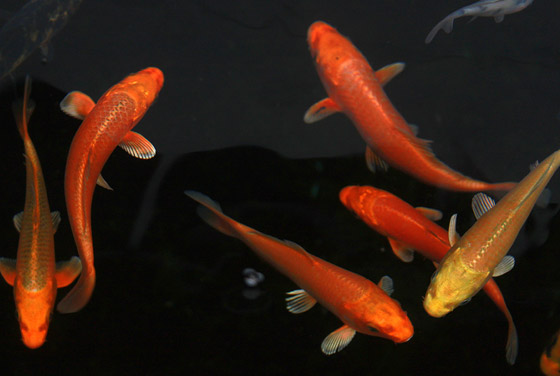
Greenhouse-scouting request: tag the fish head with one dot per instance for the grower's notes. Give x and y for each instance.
(143, 86)
(364, 201)
(34, 310)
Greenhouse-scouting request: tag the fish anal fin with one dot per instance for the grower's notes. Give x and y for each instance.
(299, 301)
(103, 183)
(77, 104)
(374, 162)
(67, 271)
(481, 203)
(386, 284)
(137, 145)
(18, 218)
(8, 270)
(337, 340)
(431, 214)
(388, 72)
(320, 110)
(55, 218)
(402, 251)
(507, 263)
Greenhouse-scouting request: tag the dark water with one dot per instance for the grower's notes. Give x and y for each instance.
(172, 299)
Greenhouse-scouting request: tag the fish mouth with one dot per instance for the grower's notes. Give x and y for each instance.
(156, 74)
(314, 33)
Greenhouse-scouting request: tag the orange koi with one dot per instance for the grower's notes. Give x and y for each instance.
(34, 274)
(355, 89)
(550, 358)
(105, 126)
(481, 252)
(410, 229)
(359, 303)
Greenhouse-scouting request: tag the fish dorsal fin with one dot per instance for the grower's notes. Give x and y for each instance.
(77, 104)
(8, 270)
(386, 284)
(452, 232)
(320, 110)
(431, 214)
(507, 263)
(388, 72)
(337, 340)
(481, 203)
(55, 218)
(137, 145)
(299, 301)
(103, 183)
(67, 271)
(297, 247)
(373, 162)
(402, 251)
(18, 218)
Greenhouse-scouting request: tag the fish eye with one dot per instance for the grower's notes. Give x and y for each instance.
(372, 329)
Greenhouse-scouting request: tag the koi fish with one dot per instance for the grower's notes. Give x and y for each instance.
(481, 252)
(550, 358)
(410, 229)
(355, 89)
(359, 303)
(105, 125)
(484, 8)
(34, 274)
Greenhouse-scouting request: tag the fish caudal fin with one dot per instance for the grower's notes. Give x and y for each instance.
(80, 294)
(512, 344)
(446, 24)
(211, 212)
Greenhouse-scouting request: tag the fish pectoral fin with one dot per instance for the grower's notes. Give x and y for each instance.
(320, 110)
(388, 72)
(507, 263)
(337, 340)
(481, 203)
(374, 162)
(8, 270)
(55, 217)
(137, 145)
(499, 18)
(452, 231)
(431, 214)
(404, 252)
(77, 104)
(103, 183)
(18, 218)
(67, 271)
(299, 301)
(386, 284)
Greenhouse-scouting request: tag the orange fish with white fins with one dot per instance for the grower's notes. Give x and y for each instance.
(359, 303)
(105, 126)
(34, 274)
(481, 251)
(411, 229)
(355, 89)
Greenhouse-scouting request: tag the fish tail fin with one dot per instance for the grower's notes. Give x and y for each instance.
(80, 294)
(446, 24)
(23, 108)
(512, 344)
(211, 212)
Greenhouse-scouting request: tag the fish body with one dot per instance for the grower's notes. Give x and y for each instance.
(34, 274)
(412, 229)
(105, 126)
(472, 259)
(484, 8)
(359, 303)
(355, 89)
(31, 27)
(550, 358)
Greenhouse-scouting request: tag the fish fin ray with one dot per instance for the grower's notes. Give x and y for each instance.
(137, 145)
(337, 340)
(388, 72)
(373, 162)
(18, 219)
(320, 110)
(77, 105)
(55, 218)
(386, 284)
(507, 263)
(8, 270)
(67, 271)
(481, 203)
(401, 250)
(452, 231)
(300, 301)
(446, 24)
(431, 214)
